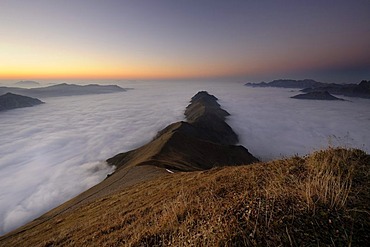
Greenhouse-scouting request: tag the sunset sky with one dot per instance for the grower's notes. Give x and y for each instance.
(185, 39)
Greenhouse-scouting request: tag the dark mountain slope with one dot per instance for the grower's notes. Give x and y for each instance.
(183, 148)
(361, 90)
(287, 83)
(206, 115)
(201, 143)
(325, 95)
(10, 101)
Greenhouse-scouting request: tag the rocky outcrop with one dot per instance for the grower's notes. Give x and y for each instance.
(10, 101)
(316, 96)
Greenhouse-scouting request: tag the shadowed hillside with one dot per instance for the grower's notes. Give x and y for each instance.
(315, 88)
(287, 83)
(11, 101)
(325, 95)
(351, 90)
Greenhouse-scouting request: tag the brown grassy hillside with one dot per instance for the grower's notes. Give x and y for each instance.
(318, 200)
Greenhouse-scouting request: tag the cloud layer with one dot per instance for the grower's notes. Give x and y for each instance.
(54, 151)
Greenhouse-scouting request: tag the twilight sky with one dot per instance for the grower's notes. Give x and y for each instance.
(185, 39)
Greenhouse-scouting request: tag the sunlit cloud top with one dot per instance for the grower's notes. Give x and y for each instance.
(184, 39)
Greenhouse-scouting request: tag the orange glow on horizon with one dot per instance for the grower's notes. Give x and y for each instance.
(119, 71)
(103, 75)
(52, 65)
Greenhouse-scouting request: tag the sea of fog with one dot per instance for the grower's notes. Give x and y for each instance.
(51, 152)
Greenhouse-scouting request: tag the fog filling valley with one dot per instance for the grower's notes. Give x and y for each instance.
(51, 152)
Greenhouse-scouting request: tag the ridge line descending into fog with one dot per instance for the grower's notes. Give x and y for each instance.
(52, 152)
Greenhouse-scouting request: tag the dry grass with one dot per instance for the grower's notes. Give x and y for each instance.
(330, 177)
(322, 200)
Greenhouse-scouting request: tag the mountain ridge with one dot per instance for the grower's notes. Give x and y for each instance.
(316, 95)
(63, 89)
(288, 83)
(361, 89)
(176, 146)
(27, 83)
(165, 193)
(181, 147)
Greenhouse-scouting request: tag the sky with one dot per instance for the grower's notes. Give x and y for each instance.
(325, 40)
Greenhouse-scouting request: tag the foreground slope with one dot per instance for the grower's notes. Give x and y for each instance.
(319, 200)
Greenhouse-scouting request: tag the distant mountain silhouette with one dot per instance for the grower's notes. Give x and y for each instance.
(287, 83)
(63, 90)
(325, 95)
(27, 83)
(10, 101)
(361, 90)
